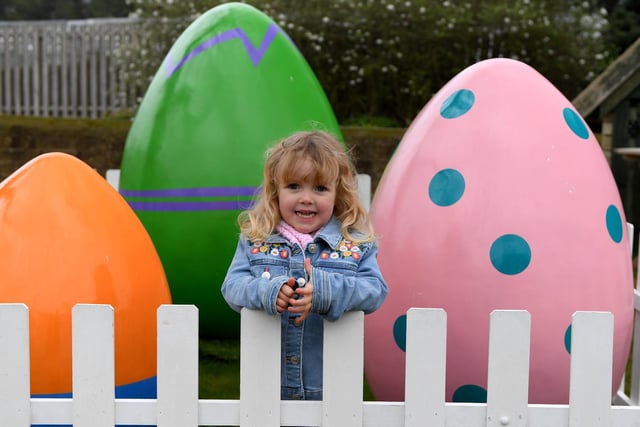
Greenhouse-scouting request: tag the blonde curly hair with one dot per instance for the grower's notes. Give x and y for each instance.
(331, 163)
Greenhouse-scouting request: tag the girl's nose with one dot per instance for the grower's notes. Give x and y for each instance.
(305, 197)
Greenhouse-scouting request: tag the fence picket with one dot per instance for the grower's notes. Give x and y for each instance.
(343, 371)
(43, 67)
(508, 375)
(177, 366)
(93, 364)
(17, 67)
(634, 394)
(14, 365)
(5, 83)
(259, 369)
(425, 377)
(590, 372)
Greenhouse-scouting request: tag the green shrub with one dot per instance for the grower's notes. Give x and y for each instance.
(386, 58)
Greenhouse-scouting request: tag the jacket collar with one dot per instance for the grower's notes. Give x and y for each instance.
(330, 233)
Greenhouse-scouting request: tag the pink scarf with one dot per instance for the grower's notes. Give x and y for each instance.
(293, 235)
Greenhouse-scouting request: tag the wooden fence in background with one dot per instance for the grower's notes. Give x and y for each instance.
(66, 68)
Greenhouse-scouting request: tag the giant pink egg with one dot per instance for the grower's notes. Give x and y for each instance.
(498, 197)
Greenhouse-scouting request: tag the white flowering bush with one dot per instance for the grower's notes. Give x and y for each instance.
(386, 58)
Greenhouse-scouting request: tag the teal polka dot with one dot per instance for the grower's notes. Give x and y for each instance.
(470, 393)
(446, 187)
(457, 104)
(575, 123)
(567, 340)
(614, 223)
(510, 254)
(400, 332)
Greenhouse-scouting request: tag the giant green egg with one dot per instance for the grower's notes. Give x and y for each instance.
(230, 87)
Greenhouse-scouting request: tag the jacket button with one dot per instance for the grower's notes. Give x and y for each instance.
(293, 359)
(313, 248)
(292, 322)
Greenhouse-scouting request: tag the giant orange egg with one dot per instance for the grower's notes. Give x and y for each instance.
(68, 237)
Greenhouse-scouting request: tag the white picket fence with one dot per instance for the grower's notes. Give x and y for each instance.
(177, 404)
(66, 68)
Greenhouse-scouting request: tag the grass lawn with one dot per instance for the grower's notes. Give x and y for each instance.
(219, 370)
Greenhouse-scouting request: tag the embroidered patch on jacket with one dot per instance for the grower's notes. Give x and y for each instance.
(346, 249)
(273, 249)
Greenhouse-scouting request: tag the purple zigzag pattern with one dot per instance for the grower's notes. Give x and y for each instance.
(254, 54)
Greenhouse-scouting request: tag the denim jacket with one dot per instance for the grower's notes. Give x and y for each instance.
(345, 277)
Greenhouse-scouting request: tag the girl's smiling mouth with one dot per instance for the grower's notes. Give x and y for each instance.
(305, 214)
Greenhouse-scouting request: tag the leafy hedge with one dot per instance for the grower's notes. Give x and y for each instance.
(386, 58)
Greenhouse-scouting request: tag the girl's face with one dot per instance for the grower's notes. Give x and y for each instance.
(304, 204)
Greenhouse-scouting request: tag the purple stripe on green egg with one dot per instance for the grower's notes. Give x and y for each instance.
(192, 192)
(190, 206)
(236, 33)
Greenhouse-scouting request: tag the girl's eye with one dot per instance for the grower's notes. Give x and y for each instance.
(321, 188)
(293, 186)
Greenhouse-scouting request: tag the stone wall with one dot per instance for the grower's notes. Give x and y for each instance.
(99, 143)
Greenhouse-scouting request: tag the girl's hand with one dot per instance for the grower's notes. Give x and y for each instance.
(302, 305)
(285, 295)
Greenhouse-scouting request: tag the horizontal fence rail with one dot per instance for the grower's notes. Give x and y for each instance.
(177, 405)
(66, 68)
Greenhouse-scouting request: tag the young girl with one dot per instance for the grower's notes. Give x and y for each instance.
(307, 250)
